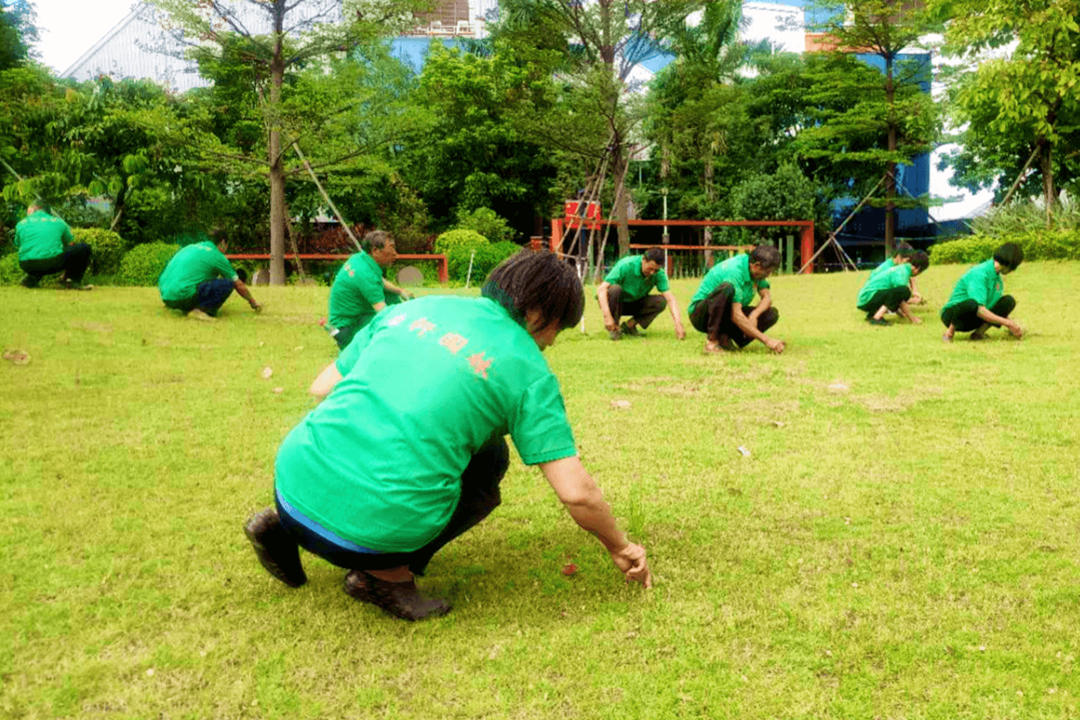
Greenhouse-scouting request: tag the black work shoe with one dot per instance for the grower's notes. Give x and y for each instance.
(631, 330)
(877, 321)
(400, 599)
(614, 334)
(275, 547)
(30, 281)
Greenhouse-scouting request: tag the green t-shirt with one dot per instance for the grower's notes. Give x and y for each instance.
(190, 266)
(734, 270)
(897, 276)
(357, 287)
(981, 283)
(627, 274)
(41, 236)
(888, 264)
(424, 386)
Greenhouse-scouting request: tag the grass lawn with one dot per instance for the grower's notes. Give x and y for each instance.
(903, 540)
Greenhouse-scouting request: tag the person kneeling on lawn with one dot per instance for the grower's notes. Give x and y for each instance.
(977, 301)
(360, 290)
(190, 281)
(721, 306)
(625, 291)
(406, 453)
(46, 246)
(890, 290)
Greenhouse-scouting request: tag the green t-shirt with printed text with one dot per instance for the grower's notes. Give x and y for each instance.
(190, 266)
(41, 236)
(982, 283)
(734, 270)
(357, 287)
(897, 276)
(424, 386)
(635, 284)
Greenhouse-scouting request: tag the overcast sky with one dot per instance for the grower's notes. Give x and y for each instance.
(68, 28)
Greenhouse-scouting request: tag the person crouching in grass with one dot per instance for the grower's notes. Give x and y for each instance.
(890, 290)
(977, 301)
(190, 283)
(407, 451)
(721, 306)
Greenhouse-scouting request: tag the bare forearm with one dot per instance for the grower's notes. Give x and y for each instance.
(601, 296)
(748, 326)
(242, 291)
(987, 316)
(593, 514)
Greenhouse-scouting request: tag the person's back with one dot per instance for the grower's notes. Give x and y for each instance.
(40, 235)
(190, 266)
(424, 387)
(357, 288)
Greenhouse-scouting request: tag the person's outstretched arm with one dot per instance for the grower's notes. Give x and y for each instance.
(242, 291)
(750, 328)
(583, 500)
(673, 307)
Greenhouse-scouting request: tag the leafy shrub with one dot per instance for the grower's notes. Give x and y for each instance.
(143, 263)
(452, 239)
(1037, 245)
(107, 248)
(486, 222)
(1020, 218)
(10, 272)
(486, 258)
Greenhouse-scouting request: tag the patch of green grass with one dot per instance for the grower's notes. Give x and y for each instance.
(901, 542)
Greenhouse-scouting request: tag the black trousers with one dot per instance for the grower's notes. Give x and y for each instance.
(644, 310)
(964, 316)
(712, 316)
(890, 298)
(479, 496)
(72, 262)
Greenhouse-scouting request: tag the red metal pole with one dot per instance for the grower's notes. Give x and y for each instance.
(556, 234)
(806, 249)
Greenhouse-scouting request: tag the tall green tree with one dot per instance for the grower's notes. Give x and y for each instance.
(17, 32)
(472, 154)
(697, 118)
(602, 43)
(1018, 97)
(898, 108)
(297, 33)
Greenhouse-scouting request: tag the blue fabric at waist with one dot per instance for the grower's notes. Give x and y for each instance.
(319, 530)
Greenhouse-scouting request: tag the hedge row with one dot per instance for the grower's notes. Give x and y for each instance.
(1037, 245)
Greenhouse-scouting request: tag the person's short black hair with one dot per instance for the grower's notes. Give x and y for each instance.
(1010, 255)
(904, 250)
(40, 204)
(655, 255)
(767, 256)
(376, 240)
(919, 259)
(537, 280)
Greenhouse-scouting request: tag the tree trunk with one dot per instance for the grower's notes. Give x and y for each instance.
(622, 204)
(1046, 159)
(890, 180)
(277, 171)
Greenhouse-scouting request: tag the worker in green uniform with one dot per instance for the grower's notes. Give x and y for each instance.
(977, 301)
(889, 290)
(903, 254)
(407, 451)
(625, 292)
(721, 306)
(199, 279)
(360, 290)
(46, 245)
